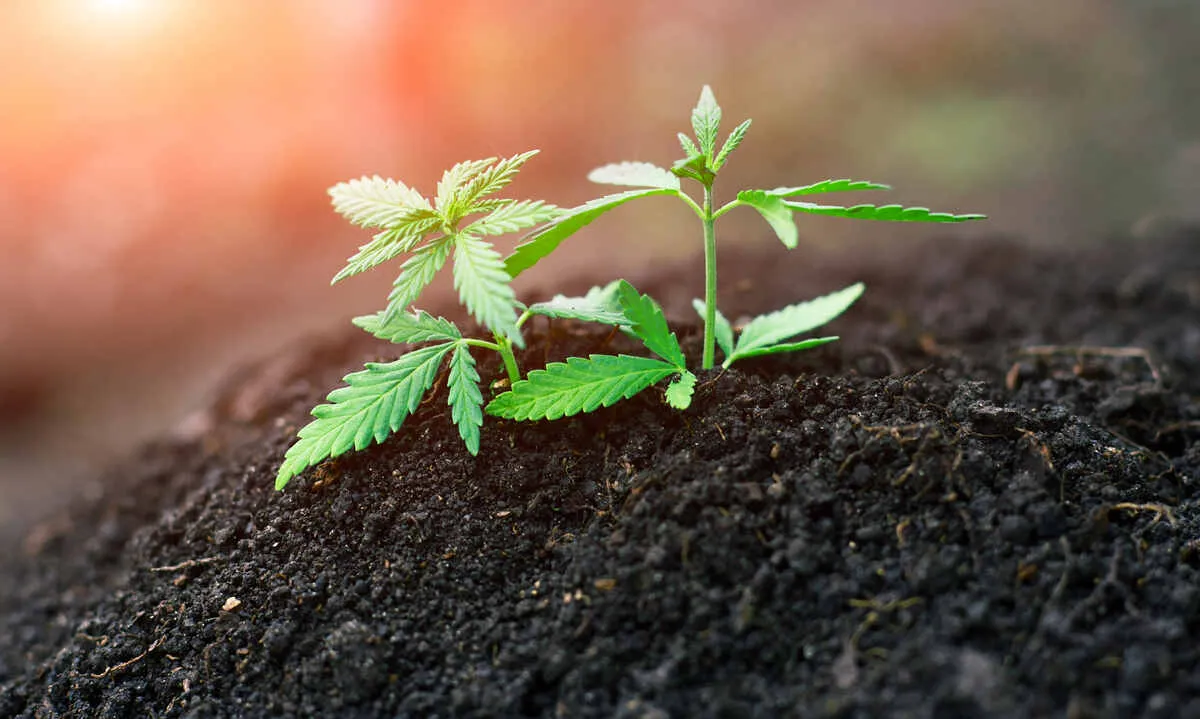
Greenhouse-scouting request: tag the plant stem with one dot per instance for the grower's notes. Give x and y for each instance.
(504, 345)
(710, 280)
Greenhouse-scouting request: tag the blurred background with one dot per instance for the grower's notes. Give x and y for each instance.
(163, 163)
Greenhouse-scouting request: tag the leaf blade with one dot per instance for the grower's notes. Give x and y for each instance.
(408, 328)
(679, 392)
(415, 275)
(891, 213)
(578, 385)
(841, 185)
(635, 174)
(513, 217)
(731, 143)
(706, 121)
(372, 405)
(600, 304)
(483, 286)
(466, 400)
(780, 348)
(647, 322)
(545, 240)
(375, 201)
(775, 327)
(776, 212)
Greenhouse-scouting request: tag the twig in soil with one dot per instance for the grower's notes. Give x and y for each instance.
(1160, 511)
(895, 369)
(1176, 427)
(126, 664)
(1084, 350)
(188, 564)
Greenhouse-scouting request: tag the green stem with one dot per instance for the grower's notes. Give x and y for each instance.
(510, 361)
(710, 280)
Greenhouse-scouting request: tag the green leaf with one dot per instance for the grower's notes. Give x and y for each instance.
(828, 186)
(484, 288)
(771, 329)
(491, 180)
(375, 202)
(706, 120)
(777, 349)
(894, 213)
(600, 304)
(415, 275)
(776, 212)
(449, 188)
(388, 244)
(637, 174)
(695, 168)
(466, 401)
(374, 404)
(408, 327)
(723, 330)
(689, 147)
(579, 385)
(648, 324)
(731, 143)
(512, 217)
(543, 241)
(679, 392)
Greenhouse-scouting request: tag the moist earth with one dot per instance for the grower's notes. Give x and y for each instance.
(982, 502)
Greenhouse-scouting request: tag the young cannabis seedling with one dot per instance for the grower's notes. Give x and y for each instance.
(377, 400)
(579, 385)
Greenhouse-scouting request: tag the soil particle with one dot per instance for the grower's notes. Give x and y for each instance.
(981, 503)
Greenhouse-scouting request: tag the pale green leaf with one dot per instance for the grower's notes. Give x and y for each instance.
(388, 245)
(636, 174)
(773, 328)
(491, 180)
(689, 147)
(408, 327)
(679, 392)
(777, 349)
(375, 201)
(843, 185)
(776, 212)
(415, 275)
(706, 120)
(450, 186)
(513, 217)
(731, 143)
(600, 304)
(483, 286)
(579, 385)
(373, 405)
(723, 329)
(893, 213)
(466, 401)
(543, 241)
(648, 324)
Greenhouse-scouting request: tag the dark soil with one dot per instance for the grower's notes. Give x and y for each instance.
(936, 517)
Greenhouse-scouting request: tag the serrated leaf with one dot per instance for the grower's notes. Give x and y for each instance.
(706, 120)
(543, 241)
(415, 275)
(579, 385)
(647, 322)
(689, 147)
(778, 349)
(512, 217)
(636, 174)
(491, 180)
(892, 213)
(731, 143)
(722, 329)
(453, 180)
(776, 212)
(388, 245)
(679, 392)
(774, 328)
(408, 327)
(695, 168)
(372, 405)
(600, 304)
(466, 401)
(484, 288)
(843, 185)
(375, 201)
